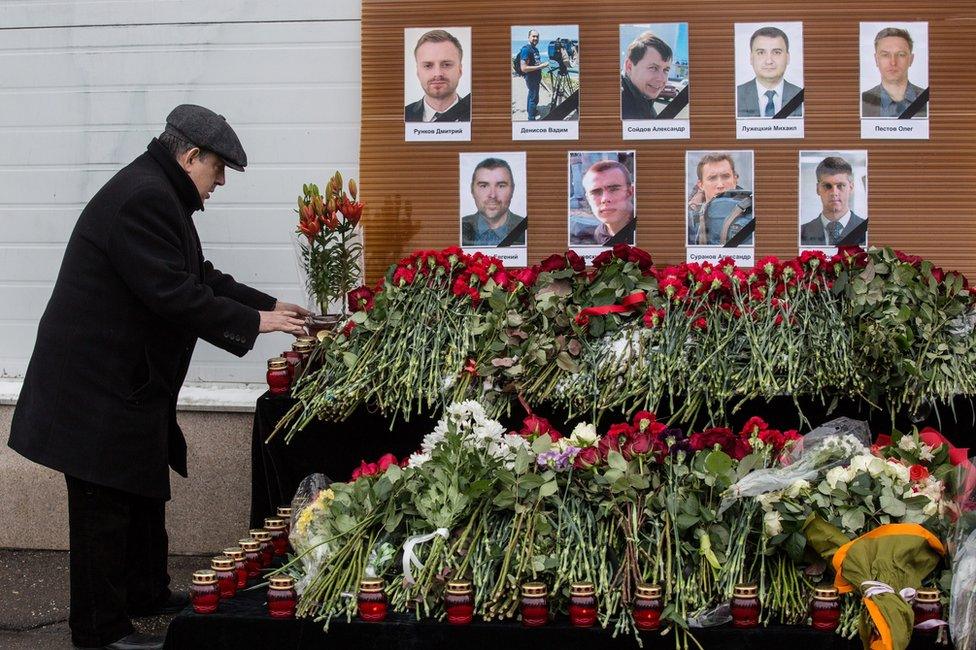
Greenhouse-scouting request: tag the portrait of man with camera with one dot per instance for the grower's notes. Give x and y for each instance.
(545, 73)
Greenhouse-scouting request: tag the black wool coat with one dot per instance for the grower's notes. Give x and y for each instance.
(113, 346)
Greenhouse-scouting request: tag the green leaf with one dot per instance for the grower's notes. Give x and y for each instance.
(686, 521)
(349, 359)
(853, 519)
(566, 362)
(893, 506)
(393, 521)
(521, 461)
(542, 444)
(548, 489)
(616, 461)
(360, 317)
(795, 544)
(718, 463)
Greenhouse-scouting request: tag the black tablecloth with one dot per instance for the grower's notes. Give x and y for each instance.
(242, 623)
(336, 448)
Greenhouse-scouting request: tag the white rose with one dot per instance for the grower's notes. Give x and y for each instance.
(877, 467)
(898, 471)
(931, 508)
(583, 435)
(797, 487)
(859, 464)
(836, 475)
(772, 524)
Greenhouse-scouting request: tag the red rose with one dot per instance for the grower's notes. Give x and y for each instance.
(642, 259)
(638, 445)
(554, 262)
(385, 461)
(369, 469)
(918, 473)
(526, 276)
(708, 438)
(533, 425)
(621, 251)
(602, 258)
(586, 458)
(575, 261)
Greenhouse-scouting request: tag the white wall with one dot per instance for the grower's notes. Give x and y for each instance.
(85, 85)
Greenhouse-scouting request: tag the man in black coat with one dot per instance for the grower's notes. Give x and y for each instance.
(98, 401)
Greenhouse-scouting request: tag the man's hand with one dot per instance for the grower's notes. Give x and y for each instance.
(281, 321)
(287, 306)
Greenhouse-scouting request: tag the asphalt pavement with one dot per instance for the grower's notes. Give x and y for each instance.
(34, 606)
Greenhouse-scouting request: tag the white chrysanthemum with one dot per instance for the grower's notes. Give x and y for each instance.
(925, 452)
(418, 459)
(584, 435)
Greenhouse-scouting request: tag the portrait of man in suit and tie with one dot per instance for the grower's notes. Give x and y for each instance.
(769, 94)
(836, 185)
(434, 69)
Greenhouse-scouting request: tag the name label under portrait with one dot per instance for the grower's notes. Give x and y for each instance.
(743, 255)
(656, 129)
(510, 255)
(437, 131)
(542, 130)
(767, 129)
(888, 129)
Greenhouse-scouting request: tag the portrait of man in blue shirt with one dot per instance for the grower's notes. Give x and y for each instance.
(494, 224)
(894, 55)
(532, 71)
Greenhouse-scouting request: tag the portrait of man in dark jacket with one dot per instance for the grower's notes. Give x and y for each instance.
(98, 403)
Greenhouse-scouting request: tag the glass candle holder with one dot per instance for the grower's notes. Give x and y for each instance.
(647, 607)
(927, 606)
(252, 557)
(535, 604)
(459, 602)
(240, 566)
(745, 605)
(284, 513)
(282, 597)
(204, 592)
(294, 360)
(263, 537)
(279, 538)
(305, 345)
(223, 567)
(278, 378)
(582, 604)
(371, 600)
(825, 609)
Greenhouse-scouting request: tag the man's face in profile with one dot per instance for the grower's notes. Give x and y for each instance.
(492, 190)
(610, 196)
(650, 74)
(835, 193)
(439, 69)
(717, 177)
(534, 38)
(893, 56)
(769, 58)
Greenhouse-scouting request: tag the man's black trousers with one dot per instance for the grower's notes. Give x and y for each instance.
(118, 560)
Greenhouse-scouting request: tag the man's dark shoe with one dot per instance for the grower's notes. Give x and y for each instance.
(134, 641)
(174, 604)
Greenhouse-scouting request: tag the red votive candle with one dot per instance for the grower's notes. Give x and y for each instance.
(226, 573)
(281, 597)
(204, 592)
(284, 513)
(294, 360)
(535, 604)
(745, 605)
(278, 378)
(371, 600)
(279, 538)
(263, 537)
(582, 604)
(240, 566)
(252, 557)
(927, 607)
(647, 607)
(825, 609)
(303, 345)
(459, 602)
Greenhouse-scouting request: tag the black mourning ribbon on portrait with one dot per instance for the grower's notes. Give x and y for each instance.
(675, 105)
(454, 114)
(562, 111)
(915, 106)
(742, 235)
(853, 238)
(790, 106)
(516, 233)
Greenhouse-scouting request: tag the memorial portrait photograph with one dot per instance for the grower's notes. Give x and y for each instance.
(894, 70)
(833, 198)
(437, 74)
(602, 202)
(545, 70)
(720, 198)
(654, 74)
(769, 70)
(492, 195)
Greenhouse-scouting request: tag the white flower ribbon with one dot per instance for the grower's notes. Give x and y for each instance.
(410, 558)
(876, 588)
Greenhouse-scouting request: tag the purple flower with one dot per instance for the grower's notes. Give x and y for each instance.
(557, 460)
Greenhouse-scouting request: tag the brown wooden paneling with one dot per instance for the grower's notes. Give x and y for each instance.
(922, 193)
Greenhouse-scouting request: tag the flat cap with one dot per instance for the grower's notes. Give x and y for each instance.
(207, 130)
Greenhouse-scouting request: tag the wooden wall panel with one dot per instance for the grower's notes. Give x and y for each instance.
(922, 193)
